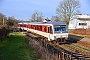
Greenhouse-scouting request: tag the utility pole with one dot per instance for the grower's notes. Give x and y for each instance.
(3, 21)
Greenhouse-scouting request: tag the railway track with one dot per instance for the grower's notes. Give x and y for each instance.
(76, 51)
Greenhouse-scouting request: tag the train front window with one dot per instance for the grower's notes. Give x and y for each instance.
(60, 28)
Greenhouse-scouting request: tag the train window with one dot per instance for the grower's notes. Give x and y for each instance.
(49, 29)
(31, 26)
(59, 28)
(24, 25)
(35, 27)
(44, 28)
(40, 28)
(20, 25)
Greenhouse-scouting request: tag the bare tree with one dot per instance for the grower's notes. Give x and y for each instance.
(67, 8)
(3, 19)
(12, 21)
(36, 17)
(55, 18)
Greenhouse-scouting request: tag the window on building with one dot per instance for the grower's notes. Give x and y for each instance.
(84, 24)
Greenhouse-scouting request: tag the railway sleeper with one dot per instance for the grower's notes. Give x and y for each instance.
(73, 58)
(76, 56)
(81, 57)
(77, 50)
(65, 54)
(87, 58)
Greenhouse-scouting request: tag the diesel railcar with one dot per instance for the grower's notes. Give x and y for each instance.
(54, 31)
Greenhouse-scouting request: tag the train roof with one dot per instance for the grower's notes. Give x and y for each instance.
(53, 23)
(56, 23)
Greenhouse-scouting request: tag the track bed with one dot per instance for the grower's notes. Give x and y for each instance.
(76, 50)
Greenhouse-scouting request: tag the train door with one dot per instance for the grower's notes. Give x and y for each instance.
(50, 32)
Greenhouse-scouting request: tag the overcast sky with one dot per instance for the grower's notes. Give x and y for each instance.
(23, 9)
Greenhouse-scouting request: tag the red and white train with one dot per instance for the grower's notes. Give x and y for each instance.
(50, 30)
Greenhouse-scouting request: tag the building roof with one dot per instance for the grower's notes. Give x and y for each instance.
(84, 18)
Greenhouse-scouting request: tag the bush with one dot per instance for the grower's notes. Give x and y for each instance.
(4, 32)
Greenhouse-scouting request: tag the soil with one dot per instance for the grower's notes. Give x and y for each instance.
(85, 33)
(84, 43)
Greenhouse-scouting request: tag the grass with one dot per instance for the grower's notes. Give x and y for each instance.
(16, 47)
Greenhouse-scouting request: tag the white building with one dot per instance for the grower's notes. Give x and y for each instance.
(79, 21)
